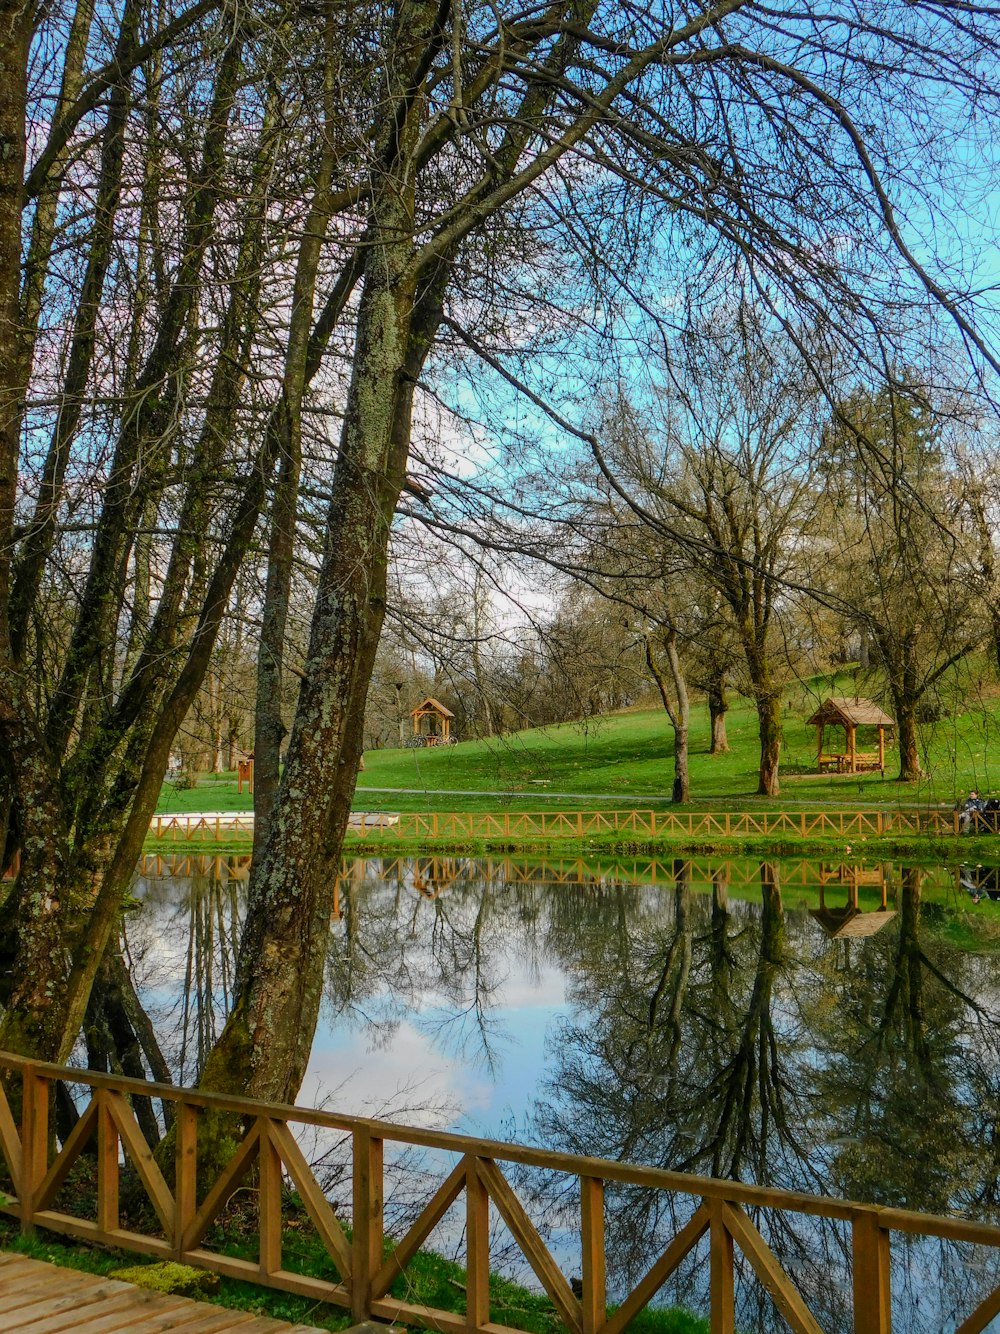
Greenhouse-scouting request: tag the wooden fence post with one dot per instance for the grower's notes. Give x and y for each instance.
(872, 1290)
(595, 1296)
(107, 1164)
(722, 1319)
(477, 1260)
(34, 1142)
(268, 1201)
(366, 1241)
(185, 1173)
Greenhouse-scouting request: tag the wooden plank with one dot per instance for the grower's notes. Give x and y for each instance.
(117, 1311)
(89, 1231)
(366, 1249)
(101, 1304)
(12, 1265)
(431, 1317)
(871, 1277)
(107, 1163)
(268, 1201)
(594, 1303)
(477, 1240)
(34, 1136)
(784, 1294)
(53, 1299)
(532, 1246)
(48, 1188)
(317, 1206)
(15, 1303)
(986, 1311)
(185, 1173)
(58, 1300)
(441, 1201)
(141, 1155)
(198, 1318)
(722, 1318)
(233, 1173)
(303, 1285)
(640, 1296)
(10, 1141)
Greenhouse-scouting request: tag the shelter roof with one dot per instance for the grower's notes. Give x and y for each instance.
(854, 710)
(843, 923)
(432, 705)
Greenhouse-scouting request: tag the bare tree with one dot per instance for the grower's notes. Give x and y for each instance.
(341, 198)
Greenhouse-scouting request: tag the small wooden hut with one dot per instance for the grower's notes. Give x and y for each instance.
(850, 714)
(432, 722)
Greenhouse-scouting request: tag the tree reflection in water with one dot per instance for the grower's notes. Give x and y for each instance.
(707, 1028)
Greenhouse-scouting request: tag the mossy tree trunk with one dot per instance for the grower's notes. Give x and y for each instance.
(265, 1045)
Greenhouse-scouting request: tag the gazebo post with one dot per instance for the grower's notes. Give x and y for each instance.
(852, 732)
(820, 728)
(881, 749)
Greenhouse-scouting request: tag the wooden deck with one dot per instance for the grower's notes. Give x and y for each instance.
(42, 1299)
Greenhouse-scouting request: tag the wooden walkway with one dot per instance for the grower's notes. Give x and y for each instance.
(42, 1299)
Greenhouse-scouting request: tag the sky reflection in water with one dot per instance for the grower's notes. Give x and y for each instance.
(795, 1024)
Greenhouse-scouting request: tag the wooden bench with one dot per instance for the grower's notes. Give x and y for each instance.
(863, 762)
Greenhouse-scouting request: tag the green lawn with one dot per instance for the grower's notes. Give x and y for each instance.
(627, 759)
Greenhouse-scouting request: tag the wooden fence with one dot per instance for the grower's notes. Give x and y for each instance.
(362, 1269)
(651, 824)
(187, 828)
(581, 824)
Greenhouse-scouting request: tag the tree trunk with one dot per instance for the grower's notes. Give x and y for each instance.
(909, 755)
(906, 688)
(718, 707)
(769, 727)
(15, 31)
(269, 728)
(678, 709)
(265, 1045)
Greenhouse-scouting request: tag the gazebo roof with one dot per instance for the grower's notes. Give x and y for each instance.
(844, 923)
(852, 711)
(432, 705)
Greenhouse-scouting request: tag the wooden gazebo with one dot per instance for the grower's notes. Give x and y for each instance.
(850, 714)
(431, 723)
(849, 921)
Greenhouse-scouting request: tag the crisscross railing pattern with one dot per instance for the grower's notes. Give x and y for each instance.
(363, 1269)
(652, 824)
(583, 824)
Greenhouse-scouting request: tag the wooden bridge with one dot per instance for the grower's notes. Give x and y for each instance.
(723, 1218)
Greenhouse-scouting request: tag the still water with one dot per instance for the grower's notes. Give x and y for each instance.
(833, 1029)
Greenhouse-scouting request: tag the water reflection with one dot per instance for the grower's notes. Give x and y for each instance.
(804, 1025)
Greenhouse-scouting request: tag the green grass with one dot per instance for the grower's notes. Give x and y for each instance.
(626, 760)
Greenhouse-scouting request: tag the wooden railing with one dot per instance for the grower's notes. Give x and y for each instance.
(363, 1270)
(442, 869)
(650, 824)
(223, 824)
(580, 824)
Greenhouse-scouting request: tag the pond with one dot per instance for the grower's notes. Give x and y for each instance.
(820, 1027)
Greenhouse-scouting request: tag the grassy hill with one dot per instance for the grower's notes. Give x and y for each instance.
(627, 759)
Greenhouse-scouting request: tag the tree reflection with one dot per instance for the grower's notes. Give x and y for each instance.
(909, 1079)
(705, 1031)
